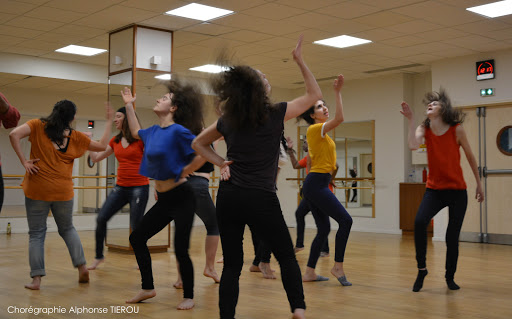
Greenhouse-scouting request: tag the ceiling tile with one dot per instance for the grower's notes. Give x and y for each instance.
(157, 6)
(383, 19)
(210, 29)
(8, 40)
(25, 51)
(439, 13)
(15, 7)
(40, 45)
(100, 59)
(183, 38)
(89, 6)
(443, 34)
(53, 14)
(33, 23)
(273, 11)
(4, 17)
(483, 27)
(307, 4)
(405, 41)
(94, 90)
(423, 58)
(246, 36)
(415, 26)
(19, 32)
(233, 5)
(62, 56)
(115, 17)
(61, 39)
(278, 43)
(100, 42)
(169, 22)
(348, 10)
(389, 4)
(79, 30)
(378, 34)
(465, 3)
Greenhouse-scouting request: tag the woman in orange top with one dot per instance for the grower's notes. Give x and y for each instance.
(131, 187)
(48, 183)
(443, 135)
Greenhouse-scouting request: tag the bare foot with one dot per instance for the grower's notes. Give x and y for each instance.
(178, 284)
(210, 272)
(143, 294)
(297, 249)
(35, 284)
(83, 274)
(337, 271)
(186, 304)
(310, 275)
(254, 269)
(299, 314)
(267, 272)
(96, 263)
(221, 260)
(324, 254)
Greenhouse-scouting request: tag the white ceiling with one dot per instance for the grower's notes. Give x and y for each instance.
(261, 33)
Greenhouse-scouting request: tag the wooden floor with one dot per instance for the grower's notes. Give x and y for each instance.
(381, 267)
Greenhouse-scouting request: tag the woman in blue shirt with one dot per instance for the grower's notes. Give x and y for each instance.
(168, 158)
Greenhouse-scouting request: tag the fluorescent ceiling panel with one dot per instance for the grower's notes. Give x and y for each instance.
(493, 10)
(163, 77)
(76, 49)
(199, 12)
(342, 41)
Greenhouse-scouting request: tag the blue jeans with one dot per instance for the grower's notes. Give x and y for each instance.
(37, 213)
(136, 196)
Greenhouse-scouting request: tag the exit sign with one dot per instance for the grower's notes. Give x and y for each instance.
(485, 70)
(486, 92)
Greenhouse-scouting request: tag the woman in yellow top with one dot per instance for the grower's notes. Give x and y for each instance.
(322, 153)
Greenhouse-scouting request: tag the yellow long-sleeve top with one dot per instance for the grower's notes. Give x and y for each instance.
(322, 149)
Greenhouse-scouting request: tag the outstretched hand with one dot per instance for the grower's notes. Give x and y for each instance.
(406, 111)
(338, 83)
(126, 93)
(225, 173)
(297, 52)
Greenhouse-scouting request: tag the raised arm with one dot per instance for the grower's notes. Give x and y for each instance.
(313, 92)
(96, 146)
(338, 117)
(9, 115)
(416, 134)
(99, 156)
(463, 141)
(130, 112)
(201, 145)
(15, 136)
(291, 154)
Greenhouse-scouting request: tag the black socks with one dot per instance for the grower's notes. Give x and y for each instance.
(452, 285)
(418, 284)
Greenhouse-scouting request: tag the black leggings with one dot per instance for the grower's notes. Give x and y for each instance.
(178, 204)
(433, 201)
(300, 214)
(237, 207)
(323, 205)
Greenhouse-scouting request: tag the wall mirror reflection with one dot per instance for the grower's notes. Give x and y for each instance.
(355, 153)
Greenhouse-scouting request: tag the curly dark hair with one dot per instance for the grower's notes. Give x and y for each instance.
(58, 121)
(243, 97)
(189, 102)
(125, 128)
(449, 114)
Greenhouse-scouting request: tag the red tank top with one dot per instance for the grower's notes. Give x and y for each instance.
(443, 156)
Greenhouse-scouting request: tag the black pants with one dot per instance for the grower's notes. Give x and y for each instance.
(178, 204)
(300, 214)
(323, 205)
(237, 207)
(433, 201)
(1, 189)
(261, 251)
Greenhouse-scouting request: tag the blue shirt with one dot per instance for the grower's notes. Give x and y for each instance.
(166, 151)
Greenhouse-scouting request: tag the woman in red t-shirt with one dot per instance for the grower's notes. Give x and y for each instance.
(443, 135)
(131, 187)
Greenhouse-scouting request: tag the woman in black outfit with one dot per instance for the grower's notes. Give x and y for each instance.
(252, 128)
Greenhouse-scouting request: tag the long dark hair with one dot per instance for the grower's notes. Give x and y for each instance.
(189, 102)
(243, 97)
(58, 121)
(449, 114)
(125, 128)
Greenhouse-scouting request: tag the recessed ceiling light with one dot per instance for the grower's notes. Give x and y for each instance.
(76, 49)
(199, 12)
(210, 68)
(163, 77)
(342, 41)
(493, 10)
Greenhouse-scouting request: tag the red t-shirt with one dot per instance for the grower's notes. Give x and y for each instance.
(129, 162)
(10, 118)
(304, 163)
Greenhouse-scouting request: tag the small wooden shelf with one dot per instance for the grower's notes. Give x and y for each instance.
(411, 195)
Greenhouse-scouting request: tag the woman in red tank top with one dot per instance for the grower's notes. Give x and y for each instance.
(444, 135)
